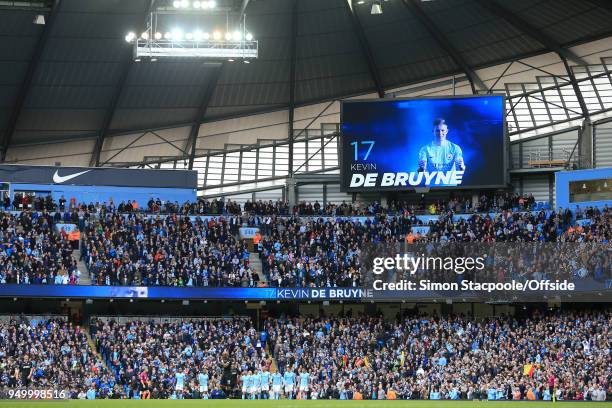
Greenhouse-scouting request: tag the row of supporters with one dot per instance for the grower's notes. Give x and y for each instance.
(31, 251)
(178, 250)
(561, 355)
(460, 204)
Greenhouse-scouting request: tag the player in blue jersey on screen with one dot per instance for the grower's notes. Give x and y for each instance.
(441, 154)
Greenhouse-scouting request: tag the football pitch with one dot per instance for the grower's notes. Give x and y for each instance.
(291, 404)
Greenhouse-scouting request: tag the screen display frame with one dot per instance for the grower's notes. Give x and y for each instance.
(345, 178)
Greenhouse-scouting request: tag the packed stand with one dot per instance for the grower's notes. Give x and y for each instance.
(181, 360)
(175, 250)
(31, 252)
(564, 356)
(132, 247)
(51, 354)
(325, 253)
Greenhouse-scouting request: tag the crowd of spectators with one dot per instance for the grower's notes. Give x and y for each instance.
(175, 250)
(456, 203)
(32, 252)
(50, 354)
(559, 355)
(323, 253)
(565, 356)
(182, 359)
(169, 246)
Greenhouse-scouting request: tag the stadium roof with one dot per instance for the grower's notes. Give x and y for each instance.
(75, 77)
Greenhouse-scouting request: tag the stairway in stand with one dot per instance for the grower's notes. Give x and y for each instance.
(85, 276)
(256, 265)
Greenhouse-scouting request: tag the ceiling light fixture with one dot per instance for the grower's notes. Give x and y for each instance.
(376, 9)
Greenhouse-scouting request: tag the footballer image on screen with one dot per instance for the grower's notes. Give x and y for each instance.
(403, 144)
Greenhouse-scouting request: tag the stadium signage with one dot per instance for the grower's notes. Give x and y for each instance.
(403, 179)
(397, 292)
(324, 293)
(98, 176)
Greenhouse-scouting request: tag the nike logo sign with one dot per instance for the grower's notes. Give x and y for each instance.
(61, 179)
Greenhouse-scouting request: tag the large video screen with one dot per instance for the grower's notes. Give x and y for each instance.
(405, 144)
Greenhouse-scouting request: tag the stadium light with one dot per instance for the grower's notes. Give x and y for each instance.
(184, 3)
(176, 4)
(224, 45)
(376, 9)
(212, 4)
(196, 4)
(177, 34)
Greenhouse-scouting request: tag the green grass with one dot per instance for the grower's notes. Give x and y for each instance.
(291, 404)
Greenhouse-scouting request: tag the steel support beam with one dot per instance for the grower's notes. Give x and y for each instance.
(112, 107)
(577, 91)
(531, 31)
(365, 48)
(29, 76)
(243, 8)
(415, 8)
(602, 4)
(293, 62)
(195, 127)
